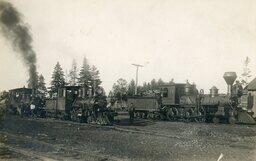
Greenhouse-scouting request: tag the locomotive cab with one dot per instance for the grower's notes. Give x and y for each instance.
(172, 93)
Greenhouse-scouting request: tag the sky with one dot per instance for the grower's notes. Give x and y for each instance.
(197, 40)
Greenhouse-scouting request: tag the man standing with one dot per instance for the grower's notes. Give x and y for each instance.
(131, 113)
(32, 109)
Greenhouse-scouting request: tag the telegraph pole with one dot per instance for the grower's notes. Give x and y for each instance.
(137, 70)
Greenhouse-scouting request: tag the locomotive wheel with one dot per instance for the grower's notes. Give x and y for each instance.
(155, 116)
(216, 120)
(202, 119)
(100, 120)
(145, 115)
(169, 115)
(89, 119)
(150, 116)
(175, 112)
(73, 116)
(199, 120)
(187, 116)
(162, 117)
(196, 120)
(232, 120)
(136, 114)
(106, 119)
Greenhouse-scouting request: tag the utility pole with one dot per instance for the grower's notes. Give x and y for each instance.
(137, 70)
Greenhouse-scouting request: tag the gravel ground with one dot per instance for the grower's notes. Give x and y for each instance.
(40, 139)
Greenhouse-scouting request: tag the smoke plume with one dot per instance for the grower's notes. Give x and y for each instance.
(17, 32)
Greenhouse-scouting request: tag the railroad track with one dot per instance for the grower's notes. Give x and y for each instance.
(114, 127)
(30, 153)
(46, 157)
(147, 132)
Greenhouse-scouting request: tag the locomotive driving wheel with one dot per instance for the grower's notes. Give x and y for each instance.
(199, 119)
(232, 120)
(169, 114)
(73, 116)
(89, 119)
(151, 115)
(103, 119)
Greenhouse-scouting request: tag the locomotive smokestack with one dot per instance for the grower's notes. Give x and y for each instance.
(230, 77)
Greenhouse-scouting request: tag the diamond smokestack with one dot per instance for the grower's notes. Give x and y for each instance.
(230, 77)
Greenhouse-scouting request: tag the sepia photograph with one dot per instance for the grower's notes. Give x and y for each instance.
(128, 80)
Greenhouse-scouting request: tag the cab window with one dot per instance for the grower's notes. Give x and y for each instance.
(165, 92)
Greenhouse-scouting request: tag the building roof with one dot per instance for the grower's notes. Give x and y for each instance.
(252, 85)
(20, 89)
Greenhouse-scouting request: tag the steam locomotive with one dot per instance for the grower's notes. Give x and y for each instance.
(183, 102)
(74, 103)
(70, 103)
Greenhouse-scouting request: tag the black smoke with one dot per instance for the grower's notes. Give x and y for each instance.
(15, 30)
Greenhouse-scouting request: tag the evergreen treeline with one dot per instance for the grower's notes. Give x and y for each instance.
(121, 89)
(88, 77)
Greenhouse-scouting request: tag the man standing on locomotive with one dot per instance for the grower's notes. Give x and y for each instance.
(100, 101)
(32, 107)
(238, 88)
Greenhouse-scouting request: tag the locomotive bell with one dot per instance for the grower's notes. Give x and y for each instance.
(230, 77)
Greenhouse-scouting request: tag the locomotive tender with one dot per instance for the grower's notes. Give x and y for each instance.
(183, 102)
(19, 101)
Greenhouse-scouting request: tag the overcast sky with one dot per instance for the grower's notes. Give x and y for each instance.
(196, 40)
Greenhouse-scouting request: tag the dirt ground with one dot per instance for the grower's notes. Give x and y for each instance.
(41, 139)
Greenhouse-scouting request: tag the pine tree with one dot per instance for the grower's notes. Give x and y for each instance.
(246, 72)
(153, 84)
(160, 82)
(33, 82)
(120, 89)
(85, 75)
(58, 79)
(41, 84)
(95, 78)
(131, 88)
(145, 87)
(73, 76)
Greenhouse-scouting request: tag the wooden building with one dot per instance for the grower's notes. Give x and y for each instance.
(251, 87)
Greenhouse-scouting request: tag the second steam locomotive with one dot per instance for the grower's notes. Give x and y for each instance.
(183, 102)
